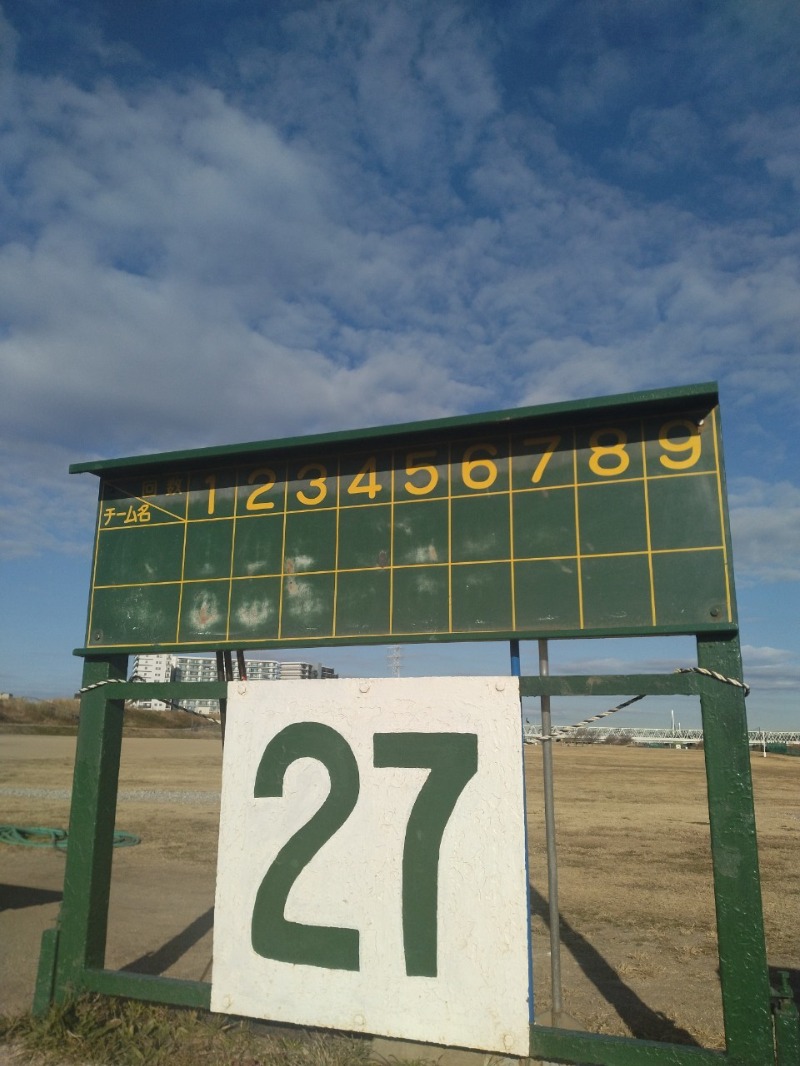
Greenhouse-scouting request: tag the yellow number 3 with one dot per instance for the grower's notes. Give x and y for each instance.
(614, 453)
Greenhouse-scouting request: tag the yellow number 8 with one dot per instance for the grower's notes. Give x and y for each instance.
(616, 452)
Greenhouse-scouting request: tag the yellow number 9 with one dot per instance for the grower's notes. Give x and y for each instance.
(691, 446)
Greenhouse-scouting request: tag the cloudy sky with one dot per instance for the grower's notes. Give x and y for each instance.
(230, 220)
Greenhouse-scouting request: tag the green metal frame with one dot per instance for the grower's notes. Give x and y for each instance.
(760, 1027)
(73, 955)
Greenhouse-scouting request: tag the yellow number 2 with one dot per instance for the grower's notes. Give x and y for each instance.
(266, 479)
(614, 453)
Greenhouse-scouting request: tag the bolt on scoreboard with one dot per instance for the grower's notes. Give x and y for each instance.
(597, 517)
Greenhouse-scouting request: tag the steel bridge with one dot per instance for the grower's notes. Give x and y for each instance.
(599, 734)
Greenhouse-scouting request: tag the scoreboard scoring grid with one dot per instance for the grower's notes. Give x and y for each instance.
(532, 526)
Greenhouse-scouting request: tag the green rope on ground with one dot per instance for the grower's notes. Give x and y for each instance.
(37, 836)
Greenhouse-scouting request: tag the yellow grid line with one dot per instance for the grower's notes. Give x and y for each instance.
(416, 566)
(577, 527)
(145, 499)
(183, 563)
(233, 551)
(124, 527)
(390, 563)
(647, 528)
(510, 475)
(282, 575)
(336, 544)
(728, 598)
(449, 537)
(90, 617)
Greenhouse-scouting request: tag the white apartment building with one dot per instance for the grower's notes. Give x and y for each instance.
(153, 668)
(167, 667)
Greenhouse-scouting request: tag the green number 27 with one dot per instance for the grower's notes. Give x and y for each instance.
(452, 759)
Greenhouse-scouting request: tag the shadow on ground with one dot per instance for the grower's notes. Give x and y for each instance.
(15, 897)
(643, 1022)
(158, 962)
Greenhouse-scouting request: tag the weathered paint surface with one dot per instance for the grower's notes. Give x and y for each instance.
(538, 522)
(365, 886)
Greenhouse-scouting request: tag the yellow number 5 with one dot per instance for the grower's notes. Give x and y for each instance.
(414, 466)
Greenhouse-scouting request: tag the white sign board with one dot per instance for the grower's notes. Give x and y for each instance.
(371, 873)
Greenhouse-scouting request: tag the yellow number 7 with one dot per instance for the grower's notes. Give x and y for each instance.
(552, 441)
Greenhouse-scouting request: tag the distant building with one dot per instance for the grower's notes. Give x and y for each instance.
(154, 668)
(202, 668)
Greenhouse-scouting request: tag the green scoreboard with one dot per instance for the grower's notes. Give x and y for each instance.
(588, 518)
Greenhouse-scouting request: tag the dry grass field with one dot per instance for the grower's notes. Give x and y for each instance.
(639, 951)
(638, 936)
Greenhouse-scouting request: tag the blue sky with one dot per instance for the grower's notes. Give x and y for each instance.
(227, 221)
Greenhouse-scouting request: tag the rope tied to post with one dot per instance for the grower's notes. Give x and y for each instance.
(134, 678)
(717, 677)
(109, 681)
(567, 730)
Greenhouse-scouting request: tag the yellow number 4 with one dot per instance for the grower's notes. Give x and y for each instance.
(366, 480)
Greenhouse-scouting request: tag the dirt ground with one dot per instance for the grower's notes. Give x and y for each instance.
(637, 913)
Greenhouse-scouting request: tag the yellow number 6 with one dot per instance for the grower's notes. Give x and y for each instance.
(469, 465)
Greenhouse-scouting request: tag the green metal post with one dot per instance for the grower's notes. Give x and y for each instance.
(87, 877)
(787, 1024)
(737, 887)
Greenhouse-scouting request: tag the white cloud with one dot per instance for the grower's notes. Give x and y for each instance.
(765, 526)
(42, 508)
(774, 139)
(357, 230)
(771, 669)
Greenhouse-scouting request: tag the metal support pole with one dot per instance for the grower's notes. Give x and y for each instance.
(240, 661)
(222, 675)
(515, 661)
(81, 941)
(550, 837)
